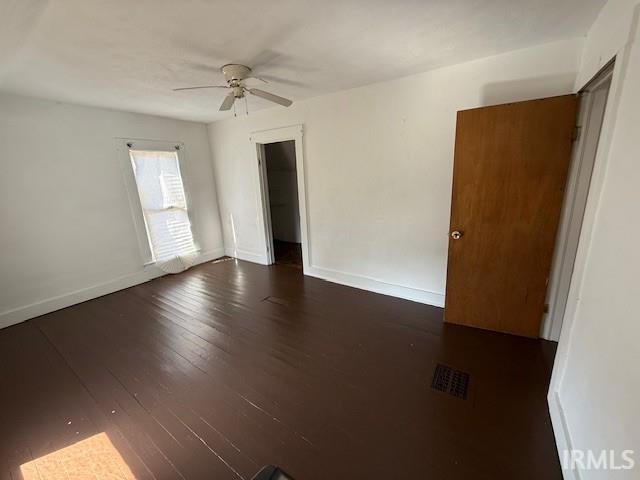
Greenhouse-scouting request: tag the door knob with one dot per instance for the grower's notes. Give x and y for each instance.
(456, 234)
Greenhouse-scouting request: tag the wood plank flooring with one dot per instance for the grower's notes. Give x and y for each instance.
(230, 366)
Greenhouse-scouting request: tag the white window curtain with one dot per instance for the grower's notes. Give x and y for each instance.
(164, 207)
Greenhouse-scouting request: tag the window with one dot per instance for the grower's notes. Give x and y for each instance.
(157, 175)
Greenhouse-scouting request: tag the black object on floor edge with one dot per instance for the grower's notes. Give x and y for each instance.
(271, 472)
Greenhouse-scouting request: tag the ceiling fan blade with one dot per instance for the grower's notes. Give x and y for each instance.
(271, 97)
(258, 78)
(283, 81)
(204, 86)
(228, 102)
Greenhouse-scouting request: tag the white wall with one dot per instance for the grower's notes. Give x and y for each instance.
(280, 159)
(379, 162)
(67, 232)
(595, 388)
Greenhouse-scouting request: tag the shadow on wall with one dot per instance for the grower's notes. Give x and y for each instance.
(527, 89)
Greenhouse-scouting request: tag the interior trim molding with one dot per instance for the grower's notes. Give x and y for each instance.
(561, 433)
(21, 314)
(371, 284)
(259, 139)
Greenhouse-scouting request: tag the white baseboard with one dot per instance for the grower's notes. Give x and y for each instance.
(561, 432)
(375, 285)
(353, 280)
(246, 255)
(20, 314)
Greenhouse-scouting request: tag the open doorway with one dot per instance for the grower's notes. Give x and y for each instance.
(283, 181)
(284, 208)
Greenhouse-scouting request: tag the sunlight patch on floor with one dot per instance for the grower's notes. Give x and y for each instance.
(92, 458)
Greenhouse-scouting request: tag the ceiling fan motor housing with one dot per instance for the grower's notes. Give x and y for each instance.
(234, 73)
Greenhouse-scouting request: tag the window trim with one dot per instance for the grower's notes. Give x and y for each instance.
(123, 145)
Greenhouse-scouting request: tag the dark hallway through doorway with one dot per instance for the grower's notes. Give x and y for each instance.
(280, 159)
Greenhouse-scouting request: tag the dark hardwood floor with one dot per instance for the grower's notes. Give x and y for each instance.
(215, 372)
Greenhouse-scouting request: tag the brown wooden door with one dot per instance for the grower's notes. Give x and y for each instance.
(510, 169)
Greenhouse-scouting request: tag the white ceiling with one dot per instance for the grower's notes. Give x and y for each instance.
(129, 54)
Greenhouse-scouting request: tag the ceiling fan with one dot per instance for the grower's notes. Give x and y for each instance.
(235, 75)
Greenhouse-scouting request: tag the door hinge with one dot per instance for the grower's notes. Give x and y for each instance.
(577, 131)
(546, 308)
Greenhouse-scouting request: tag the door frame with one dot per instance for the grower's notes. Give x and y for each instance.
(258, 140)
(572, 215)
